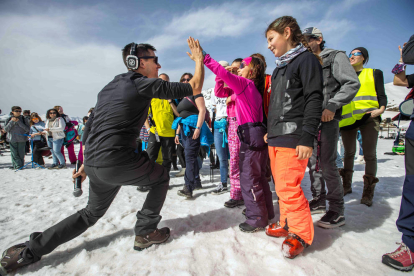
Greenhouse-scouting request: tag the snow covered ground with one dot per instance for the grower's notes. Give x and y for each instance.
(205, 238)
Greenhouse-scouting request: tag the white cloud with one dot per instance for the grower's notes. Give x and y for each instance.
(43, 66)
(48, 58)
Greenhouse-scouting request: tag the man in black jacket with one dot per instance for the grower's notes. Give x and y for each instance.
(110, 159)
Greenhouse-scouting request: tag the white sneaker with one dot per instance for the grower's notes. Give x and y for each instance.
(181, 173)
(360, 159)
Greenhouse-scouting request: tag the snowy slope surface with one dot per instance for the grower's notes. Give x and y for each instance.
(205, 237)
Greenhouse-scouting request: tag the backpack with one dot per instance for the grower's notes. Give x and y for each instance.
(70, 133)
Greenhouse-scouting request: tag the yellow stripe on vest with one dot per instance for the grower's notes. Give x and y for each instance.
(365, 100)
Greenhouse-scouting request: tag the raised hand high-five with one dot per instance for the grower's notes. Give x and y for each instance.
(196, 50)
(197, 55)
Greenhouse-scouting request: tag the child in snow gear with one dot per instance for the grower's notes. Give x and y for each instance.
(128, 95)
(295, 110)
(222, 91)
(363, 113)
(248, 88)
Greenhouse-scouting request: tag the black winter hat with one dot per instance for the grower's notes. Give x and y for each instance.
(364, 53)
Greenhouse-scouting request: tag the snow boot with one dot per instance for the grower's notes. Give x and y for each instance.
(245, 227)
(292, 246)
(369, 186)
(401, 259)
(198, 186)
(16, 257)
(181, 173)
(158, 236)
(186, 192)
(276, 230)
(233, 203)
(346, 180)
(317, 205)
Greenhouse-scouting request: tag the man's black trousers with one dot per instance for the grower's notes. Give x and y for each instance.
(104, 184)
(167, 144)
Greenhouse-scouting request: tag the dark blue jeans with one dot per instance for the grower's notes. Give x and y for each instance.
(222, 154)
(405, 221)
(191, 149)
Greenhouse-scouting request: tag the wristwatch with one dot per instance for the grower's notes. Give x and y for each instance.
(204, 53)
(198, 127)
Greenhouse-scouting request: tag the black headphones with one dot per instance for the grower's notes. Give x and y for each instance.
(132, 60)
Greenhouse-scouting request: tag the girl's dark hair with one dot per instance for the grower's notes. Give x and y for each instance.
(258, 55)
(182, 77)
(297, 37)
(48, 113)
(84, 119)
(34, 115)
(258, 73)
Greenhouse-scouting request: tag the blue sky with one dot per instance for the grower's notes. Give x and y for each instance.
(64, 52)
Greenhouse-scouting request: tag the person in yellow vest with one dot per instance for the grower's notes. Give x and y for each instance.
(363, 113)
(161, 115)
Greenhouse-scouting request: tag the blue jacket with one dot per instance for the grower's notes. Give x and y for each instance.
(221, 126)
(206, 137)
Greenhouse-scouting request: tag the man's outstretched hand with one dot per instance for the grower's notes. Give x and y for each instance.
(195, 49)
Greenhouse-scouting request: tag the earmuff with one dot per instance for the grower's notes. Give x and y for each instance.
(132, 60)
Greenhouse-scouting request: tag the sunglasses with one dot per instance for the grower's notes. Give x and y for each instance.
(19, 111)
(242, 65)
(52, 113)
(148, 57)
(355, 54)
(186, 79)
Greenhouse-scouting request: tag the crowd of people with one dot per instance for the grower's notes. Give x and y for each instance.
(262, 125)
(49, 138)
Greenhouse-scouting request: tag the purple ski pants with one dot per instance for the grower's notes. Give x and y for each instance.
(253, 161)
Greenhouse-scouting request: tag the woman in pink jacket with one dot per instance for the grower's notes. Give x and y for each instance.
(253, 150)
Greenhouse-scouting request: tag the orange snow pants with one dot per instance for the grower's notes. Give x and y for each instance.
(288, 173)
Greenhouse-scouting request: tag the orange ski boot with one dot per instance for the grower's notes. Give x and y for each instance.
(275, 230)
(292, 246)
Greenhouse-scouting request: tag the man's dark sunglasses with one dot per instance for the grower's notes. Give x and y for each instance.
(17, 111)
(186, 79)
(148, 57)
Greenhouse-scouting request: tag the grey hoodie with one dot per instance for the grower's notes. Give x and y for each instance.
(16, 129)
(345, 75)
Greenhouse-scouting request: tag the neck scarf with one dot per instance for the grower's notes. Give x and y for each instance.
(289, 55)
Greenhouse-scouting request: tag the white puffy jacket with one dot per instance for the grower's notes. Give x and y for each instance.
(57, 128)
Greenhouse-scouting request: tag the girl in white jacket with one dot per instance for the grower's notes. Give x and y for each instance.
(55, 126)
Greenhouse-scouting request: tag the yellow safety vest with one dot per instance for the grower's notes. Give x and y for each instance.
(365, 100)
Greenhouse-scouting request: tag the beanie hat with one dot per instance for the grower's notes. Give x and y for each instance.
(364, 53)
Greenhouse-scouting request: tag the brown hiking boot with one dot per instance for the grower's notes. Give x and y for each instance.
(156, 237)
(369, 186)
(346, 180)
(16, 257)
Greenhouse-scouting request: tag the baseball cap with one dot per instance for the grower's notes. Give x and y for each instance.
(313, 31)
(224, 63)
